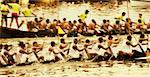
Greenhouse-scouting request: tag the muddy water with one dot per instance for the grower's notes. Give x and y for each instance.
(77, 69)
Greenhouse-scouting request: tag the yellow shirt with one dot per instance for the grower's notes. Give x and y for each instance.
(4, 9)
(15, 7)
(27, 12)
(83, 17)
(119, 18)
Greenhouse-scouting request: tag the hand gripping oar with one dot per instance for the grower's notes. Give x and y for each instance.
(35, 53)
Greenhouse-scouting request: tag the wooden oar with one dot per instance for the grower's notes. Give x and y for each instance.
(147, 41)
(148, 57)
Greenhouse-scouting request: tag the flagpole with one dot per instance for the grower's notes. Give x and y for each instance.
(128, 8)
(58, 9)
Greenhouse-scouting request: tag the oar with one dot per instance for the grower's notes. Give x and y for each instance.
(35, 52)
(147, 41)
(148, 57)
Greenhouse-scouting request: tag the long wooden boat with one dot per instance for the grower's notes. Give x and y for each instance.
(15, 33)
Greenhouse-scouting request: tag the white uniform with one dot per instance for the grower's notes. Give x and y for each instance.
(101, 51)
(74, 53)
(57, 53)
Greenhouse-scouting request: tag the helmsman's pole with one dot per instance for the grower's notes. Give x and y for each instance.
(128, 8)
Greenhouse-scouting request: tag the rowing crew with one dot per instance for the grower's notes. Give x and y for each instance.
(103, 49)
(71, 27)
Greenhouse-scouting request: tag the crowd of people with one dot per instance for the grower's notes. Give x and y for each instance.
(121, 25)
(105, 48)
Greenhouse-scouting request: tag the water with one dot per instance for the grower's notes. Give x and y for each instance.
(77, 69)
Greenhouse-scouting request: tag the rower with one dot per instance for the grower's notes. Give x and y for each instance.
(27, 12)
(140, 18)
(140, 25)
(100, 49)
(3, 59)
(15, 8)
(41, 24)
(23, 53)
(64, 47)
(47, 24)
(140, 22)
(148, 55)
(74, 28)
(4, 11)
(117, 27)
(143, 41)
(75, 51)
(35, 49)
(33, 25)
(91, 27)
(53, 28)
(64, 24)
(129, 41)
(88, 48)
(128, 25)
(112, 46)
(132, 50)
(104, 25)
(81, 27)
(8, 55)
(55, 51)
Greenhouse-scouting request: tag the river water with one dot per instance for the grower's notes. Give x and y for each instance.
(78, 69)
